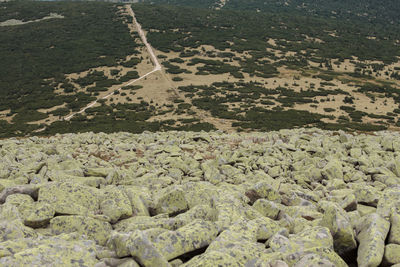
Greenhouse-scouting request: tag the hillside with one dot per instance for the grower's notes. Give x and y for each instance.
(293, 197)
(74, 66)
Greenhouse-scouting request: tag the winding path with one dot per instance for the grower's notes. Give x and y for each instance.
(157, 66)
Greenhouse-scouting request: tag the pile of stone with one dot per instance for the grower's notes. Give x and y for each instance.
(303, 197)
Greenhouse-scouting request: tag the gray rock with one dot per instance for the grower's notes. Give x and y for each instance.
(372, 232)
(172, 201)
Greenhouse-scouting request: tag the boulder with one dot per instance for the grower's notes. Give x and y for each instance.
(37, 214)
(195, 235)
(31, 190)
(19, 200)
(313, 260)
(14, 229)
(337, 221)
(143, 251)
(128, 263)
(98, 172)
(136, 198)
(262, 190)
(366, 194)
(96, 230)
(309, 238)
(394, 234)
(372, 232)
(389, 201)
(307, 212)
(203, 212)
(266, 227)
(145, 222)
(212, 259)
(333, 170)
(9, 212)
(118, 242)
(70, 199)
(172, 201)
(211, 173)
(53, 253)
(349, 203)
(327, 254)
(239, 241)
(267, 208)
(392, 254)
(365, 210)
(115, 205)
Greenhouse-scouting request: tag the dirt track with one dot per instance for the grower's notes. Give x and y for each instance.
(153, 57)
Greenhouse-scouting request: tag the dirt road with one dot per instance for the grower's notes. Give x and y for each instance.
(157, 66)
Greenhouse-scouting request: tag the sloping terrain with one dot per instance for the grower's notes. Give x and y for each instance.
(232, 65)
(287, 198)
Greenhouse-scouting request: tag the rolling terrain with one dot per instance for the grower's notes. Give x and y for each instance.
(200, 133)
(234, 66)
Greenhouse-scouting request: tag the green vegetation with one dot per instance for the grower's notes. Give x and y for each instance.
(181, 28)
(35, 56)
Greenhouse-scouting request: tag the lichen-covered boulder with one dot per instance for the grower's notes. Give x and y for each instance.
(372, 232)
(96, 230)
(128, 263)
(54, 253)
(37, 214)
(19, 200)
(309, 238)
(313, 237)
(266, 227)
(14, 229)
(337, 221)
(204, 212)
(365, 210)
(199, 193)
(239, 241)
(325, 253)
(195, 235)
(99, 172)
(267, 208)
(313, 260)
(143, 251)
(61, 176)
(115, 204)
(349, 203)
(146, 222)
(307, 212)
(293, 248)
(333, 170)
(27, 189)
(70, 199)
(366, 194)
(392, 254)
(33, 214)
(389, 202)
(394, 234)
(172, 201)
(9, 212)
(212, 259)
(118, 243)
(211, 172)
(137, 198)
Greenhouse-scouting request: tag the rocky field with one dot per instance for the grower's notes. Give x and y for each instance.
(302, 197)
